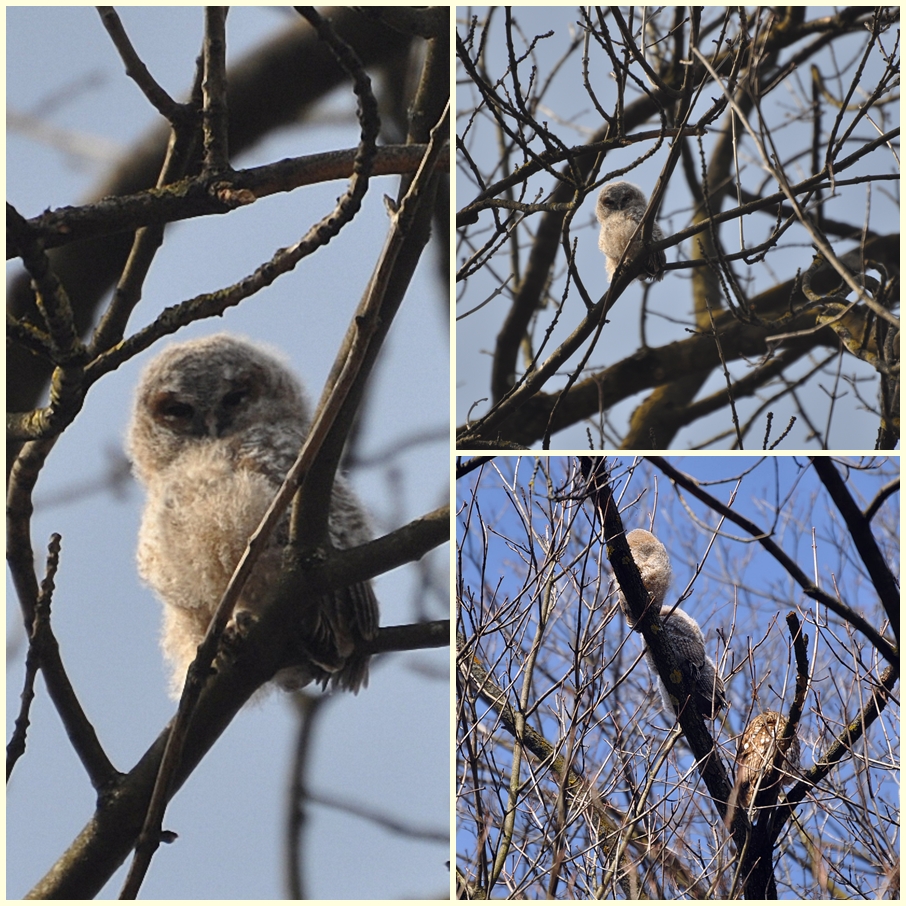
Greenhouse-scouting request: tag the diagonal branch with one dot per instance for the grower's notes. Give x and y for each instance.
(859, 527)
(885, 648)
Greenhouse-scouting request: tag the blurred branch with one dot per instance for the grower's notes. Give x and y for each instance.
(276, 84)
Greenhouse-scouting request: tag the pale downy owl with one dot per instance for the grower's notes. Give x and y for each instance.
(757, 748)
(654, 567)
(619, 210)
(683, 632)
(217, 424)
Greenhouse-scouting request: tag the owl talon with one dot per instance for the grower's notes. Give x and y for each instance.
(236, 632)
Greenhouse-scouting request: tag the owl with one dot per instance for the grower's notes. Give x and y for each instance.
(619, 210)
(683, 632)
(688, 644)
(755, 755)
(216, 425)
(654, 566)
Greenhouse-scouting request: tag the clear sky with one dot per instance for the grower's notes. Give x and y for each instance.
(387, 749)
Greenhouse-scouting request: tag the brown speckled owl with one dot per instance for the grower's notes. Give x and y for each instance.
(619, 210)
(217, 424)
(755, 755)
(684, 633)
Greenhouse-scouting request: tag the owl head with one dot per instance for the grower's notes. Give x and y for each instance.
(646, 548)
(218, 388)
(620, 196)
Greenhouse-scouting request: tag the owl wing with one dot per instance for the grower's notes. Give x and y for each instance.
(688, 643)
(352, 617)
(344, 618)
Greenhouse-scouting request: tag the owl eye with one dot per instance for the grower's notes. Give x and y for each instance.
(177, 410)
(232, 399)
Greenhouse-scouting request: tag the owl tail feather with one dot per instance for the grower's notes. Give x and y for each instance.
(346, 618)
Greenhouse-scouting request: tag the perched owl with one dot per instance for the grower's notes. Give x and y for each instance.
(683, 632)
(755, 755)
(217, 423)
(619, 210)
(654, 566)
(688, 643)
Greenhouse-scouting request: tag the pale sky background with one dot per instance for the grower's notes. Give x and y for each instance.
(569, 113)
(387, 749)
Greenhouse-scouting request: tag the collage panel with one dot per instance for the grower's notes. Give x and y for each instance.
(677, 677)
(677, 228)
(228, 453)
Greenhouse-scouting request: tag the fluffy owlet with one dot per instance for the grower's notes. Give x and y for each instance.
(683, 632)
(654, 566)
(619, 210)
(755, 755)
(217, 424)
